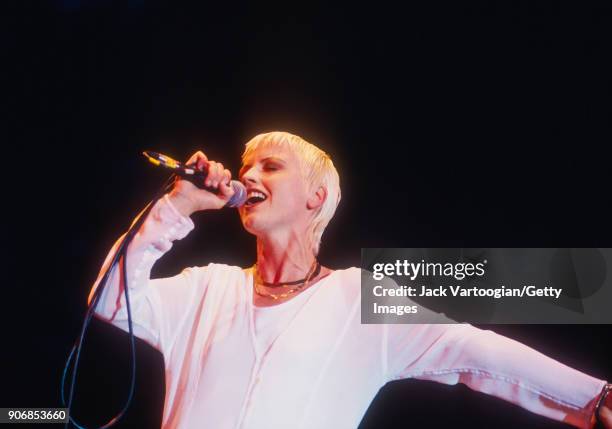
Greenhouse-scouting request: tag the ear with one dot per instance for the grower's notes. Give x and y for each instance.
(317, 199)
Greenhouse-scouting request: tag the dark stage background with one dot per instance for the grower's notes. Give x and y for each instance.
(453, 125)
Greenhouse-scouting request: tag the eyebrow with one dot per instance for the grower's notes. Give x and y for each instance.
(267, 158)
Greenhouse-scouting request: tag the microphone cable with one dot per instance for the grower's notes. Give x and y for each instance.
(120, 257)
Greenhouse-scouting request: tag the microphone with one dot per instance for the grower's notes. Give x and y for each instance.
(196, 177)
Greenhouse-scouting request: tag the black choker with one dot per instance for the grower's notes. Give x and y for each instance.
(310, 276)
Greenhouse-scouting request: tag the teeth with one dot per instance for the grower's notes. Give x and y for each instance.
(258, 194)
(254, 197)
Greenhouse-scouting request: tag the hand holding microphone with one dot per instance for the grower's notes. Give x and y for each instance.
(208, 185)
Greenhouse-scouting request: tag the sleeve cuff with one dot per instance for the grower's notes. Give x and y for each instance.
(174, 216)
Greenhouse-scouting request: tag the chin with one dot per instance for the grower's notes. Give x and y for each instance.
(250, 224)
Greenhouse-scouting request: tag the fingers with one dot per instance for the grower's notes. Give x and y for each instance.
(605, 415)
(217, 177)
(217, 174)
(225, 187)
(199, 160)
(212, 178)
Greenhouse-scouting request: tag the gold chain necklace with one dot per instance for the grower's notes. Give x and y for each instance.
(257, 280)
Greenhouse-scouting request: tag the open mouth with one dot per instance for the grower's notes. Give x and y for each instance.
(254, 198)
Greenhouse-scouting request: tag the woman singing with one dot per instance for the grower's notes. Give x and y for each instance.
(280, 344)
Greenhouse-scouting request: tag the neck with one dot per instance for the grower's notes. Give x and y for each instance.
(284, 259)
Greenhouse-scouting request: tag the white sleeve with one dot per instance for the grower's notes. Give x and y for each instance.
(492, 364)
(155, 304)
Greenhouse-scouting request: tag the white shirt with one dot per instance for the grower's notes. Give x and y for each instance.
(270, 322)
(324, 367)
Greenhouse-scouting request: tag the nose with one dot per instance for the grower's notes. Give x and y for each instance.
(250, 175)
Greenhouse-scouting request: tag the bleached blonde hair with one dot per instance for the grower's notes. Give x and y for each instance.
(317, 169)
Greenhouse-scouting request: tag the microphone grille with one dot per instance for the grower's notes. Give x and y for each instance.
(240, 195)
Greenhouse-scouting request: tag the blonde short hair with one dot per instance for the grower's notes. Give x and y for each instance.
(317, 169)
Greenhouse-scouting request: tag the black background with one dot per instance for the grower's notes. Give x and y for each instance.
(452, 125)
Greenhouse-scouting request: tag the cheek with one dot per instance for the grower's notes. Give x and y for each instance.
(293, 190)
(291, 197)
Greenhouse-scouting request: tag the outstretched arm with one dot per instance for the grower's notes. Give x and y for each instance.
(495, 365)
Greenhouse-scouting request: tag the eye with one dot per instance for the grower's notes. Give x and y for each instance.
(271, 167)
